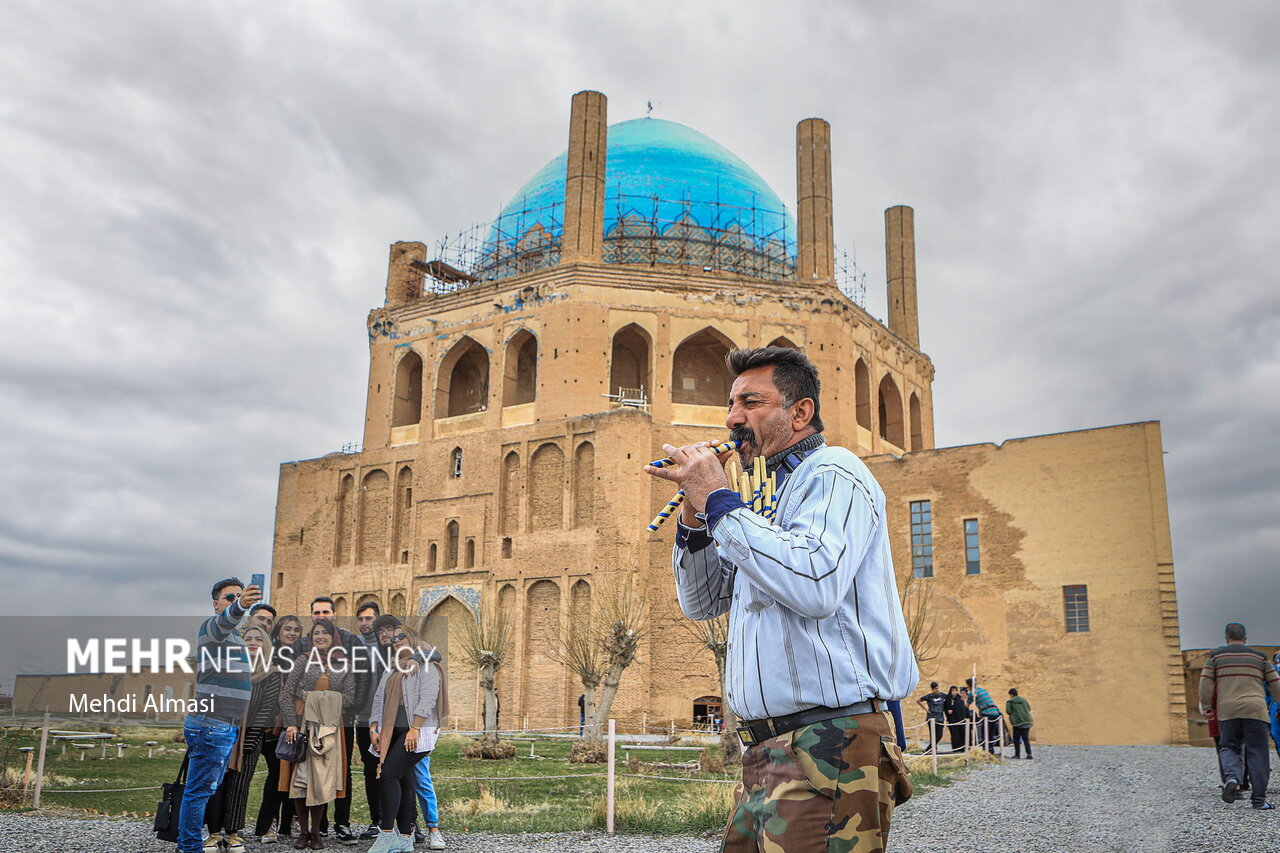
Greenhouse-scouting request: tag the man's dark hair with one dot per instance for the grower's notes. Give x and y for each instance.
(933, 684)
(794, 374)
(1235, 632)
(323, 598)
(367, 606)
(386, 620)
(1013, 691)
(969, 681)
(223, 584)
(263, 606)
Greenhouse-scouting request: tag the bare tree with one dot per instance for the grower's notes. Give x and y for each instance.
(483, 644)
(713, 635)
(599, 648)
(922, 621)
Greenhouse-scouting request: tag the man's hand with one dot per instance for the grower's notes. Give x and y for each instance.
(696, 470)
(251, 596)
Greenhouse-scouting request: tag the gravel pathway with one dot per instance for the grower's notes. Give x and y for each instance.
(1118, 799)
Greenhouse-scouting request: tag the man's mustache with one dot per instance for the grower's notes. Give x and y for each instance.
(743, 434)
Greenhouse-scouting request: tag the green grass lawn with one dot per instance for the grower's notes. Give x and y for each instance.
(505, 801)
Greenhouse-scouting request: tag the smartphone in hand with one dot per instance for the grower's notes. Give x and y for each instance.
(260, 581)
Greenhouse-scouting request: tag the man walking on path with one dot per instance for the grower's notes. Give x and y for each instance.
(1241, 677)
(1018, 711)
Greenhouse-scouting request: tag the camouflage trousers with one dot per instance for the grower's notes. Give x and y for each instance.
(829, 787)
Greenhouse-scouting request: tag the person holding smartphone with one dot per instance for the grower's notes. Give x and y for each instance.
(223, 689)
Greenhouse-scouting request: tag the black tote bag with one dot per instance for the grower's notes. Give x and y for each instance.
(170, 805)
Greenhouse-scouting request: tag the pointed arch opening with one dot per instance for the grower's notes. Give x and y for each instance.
(584, 485)
(469, 554)
(786, 343)
(407, 407)
(520, 372)
(403, 545)
(397, 607)
(891, 411)
(451, 534)
(510, 488)
(463, 384)
(699, 375)
(917, 433)
(862, 393)
(629, 379)
(546, 488)
(375, 517)
(346, 521)
(543, 679)
(449, 620)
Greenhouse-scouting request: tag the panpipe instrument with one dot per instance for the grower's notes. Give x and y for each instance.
(757, 489)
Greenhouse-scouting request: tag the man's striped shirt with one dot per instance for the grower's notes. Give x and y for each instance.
(814, 614)
(1242, 675)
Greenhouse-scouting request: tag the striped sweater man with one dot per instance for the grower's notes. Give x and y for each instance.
(1242, 676)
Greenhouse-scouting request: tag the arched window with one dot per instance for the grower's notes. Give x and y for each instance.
(917, 433)
(584, 485)
(698, 373)
(546, 488)
(629, 366)
(432, 555)
(463, 384)
(579, 603)
(890, 411)
(470, 560)
(375, 517)
(862, 392)
(451, 546)
(520, 374)
(397, 607)
(455, 462)
(346, 521)
(407, 408)
(509, 495)
(340, 611)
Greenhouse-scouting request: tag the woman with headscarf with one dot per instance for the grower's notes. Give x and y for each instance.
(317, 693)
(225, 811)
(275, 814)
(403, 726)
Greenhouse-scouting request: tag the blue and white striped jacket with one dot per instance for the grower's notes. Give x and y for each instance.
(814, 613)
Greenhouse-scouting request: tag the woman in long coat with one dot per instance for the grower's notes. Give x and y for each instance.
(317, 693)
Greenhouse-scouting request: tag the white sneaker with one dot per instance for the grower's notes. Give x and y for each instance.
(435, 841)
(389, 842)
(213, 843)
(406, 843)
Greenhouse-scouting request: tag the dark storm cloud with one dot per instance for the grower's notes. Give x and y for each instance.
(199, 201)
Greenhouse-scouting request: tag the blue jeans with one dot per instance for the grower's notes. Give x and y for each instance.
(209, 744)
(426, 792)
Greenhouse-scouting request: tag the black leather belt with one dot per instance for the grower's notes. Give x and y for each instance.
(752, 732)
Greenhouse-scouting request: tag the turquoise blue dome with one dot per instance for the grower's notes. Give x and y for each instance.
(665, 183)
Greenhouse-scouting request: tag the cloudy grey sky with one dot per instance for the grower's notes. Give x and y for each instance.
(198, 200)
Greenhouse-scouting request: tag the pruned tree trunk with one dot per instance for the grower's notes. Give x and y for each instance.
(487, 673)
(730, 746)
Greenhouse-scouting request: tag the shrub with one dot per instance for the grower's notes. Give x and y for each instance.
(481, 748)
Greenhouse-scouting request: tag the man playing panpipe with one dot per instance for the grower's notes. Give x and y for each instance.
(817, 641)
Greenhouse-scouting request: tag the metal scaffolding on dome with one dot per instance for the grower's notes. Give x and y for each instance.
(643, 230)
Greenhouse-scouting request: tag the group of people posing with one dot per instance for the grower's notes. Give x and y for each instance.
(313, 694)
(972, 718)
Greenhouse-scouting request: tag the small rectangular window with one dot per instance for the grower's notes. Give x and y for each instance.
(279, 580)
(404, 557)
(408, 497)
(1075, 605)
(921, 539)
(506, 546)
(972, 554)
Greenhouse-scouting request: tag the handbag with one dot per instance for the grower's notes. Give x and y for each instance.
(169, 808)
(294, 753)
